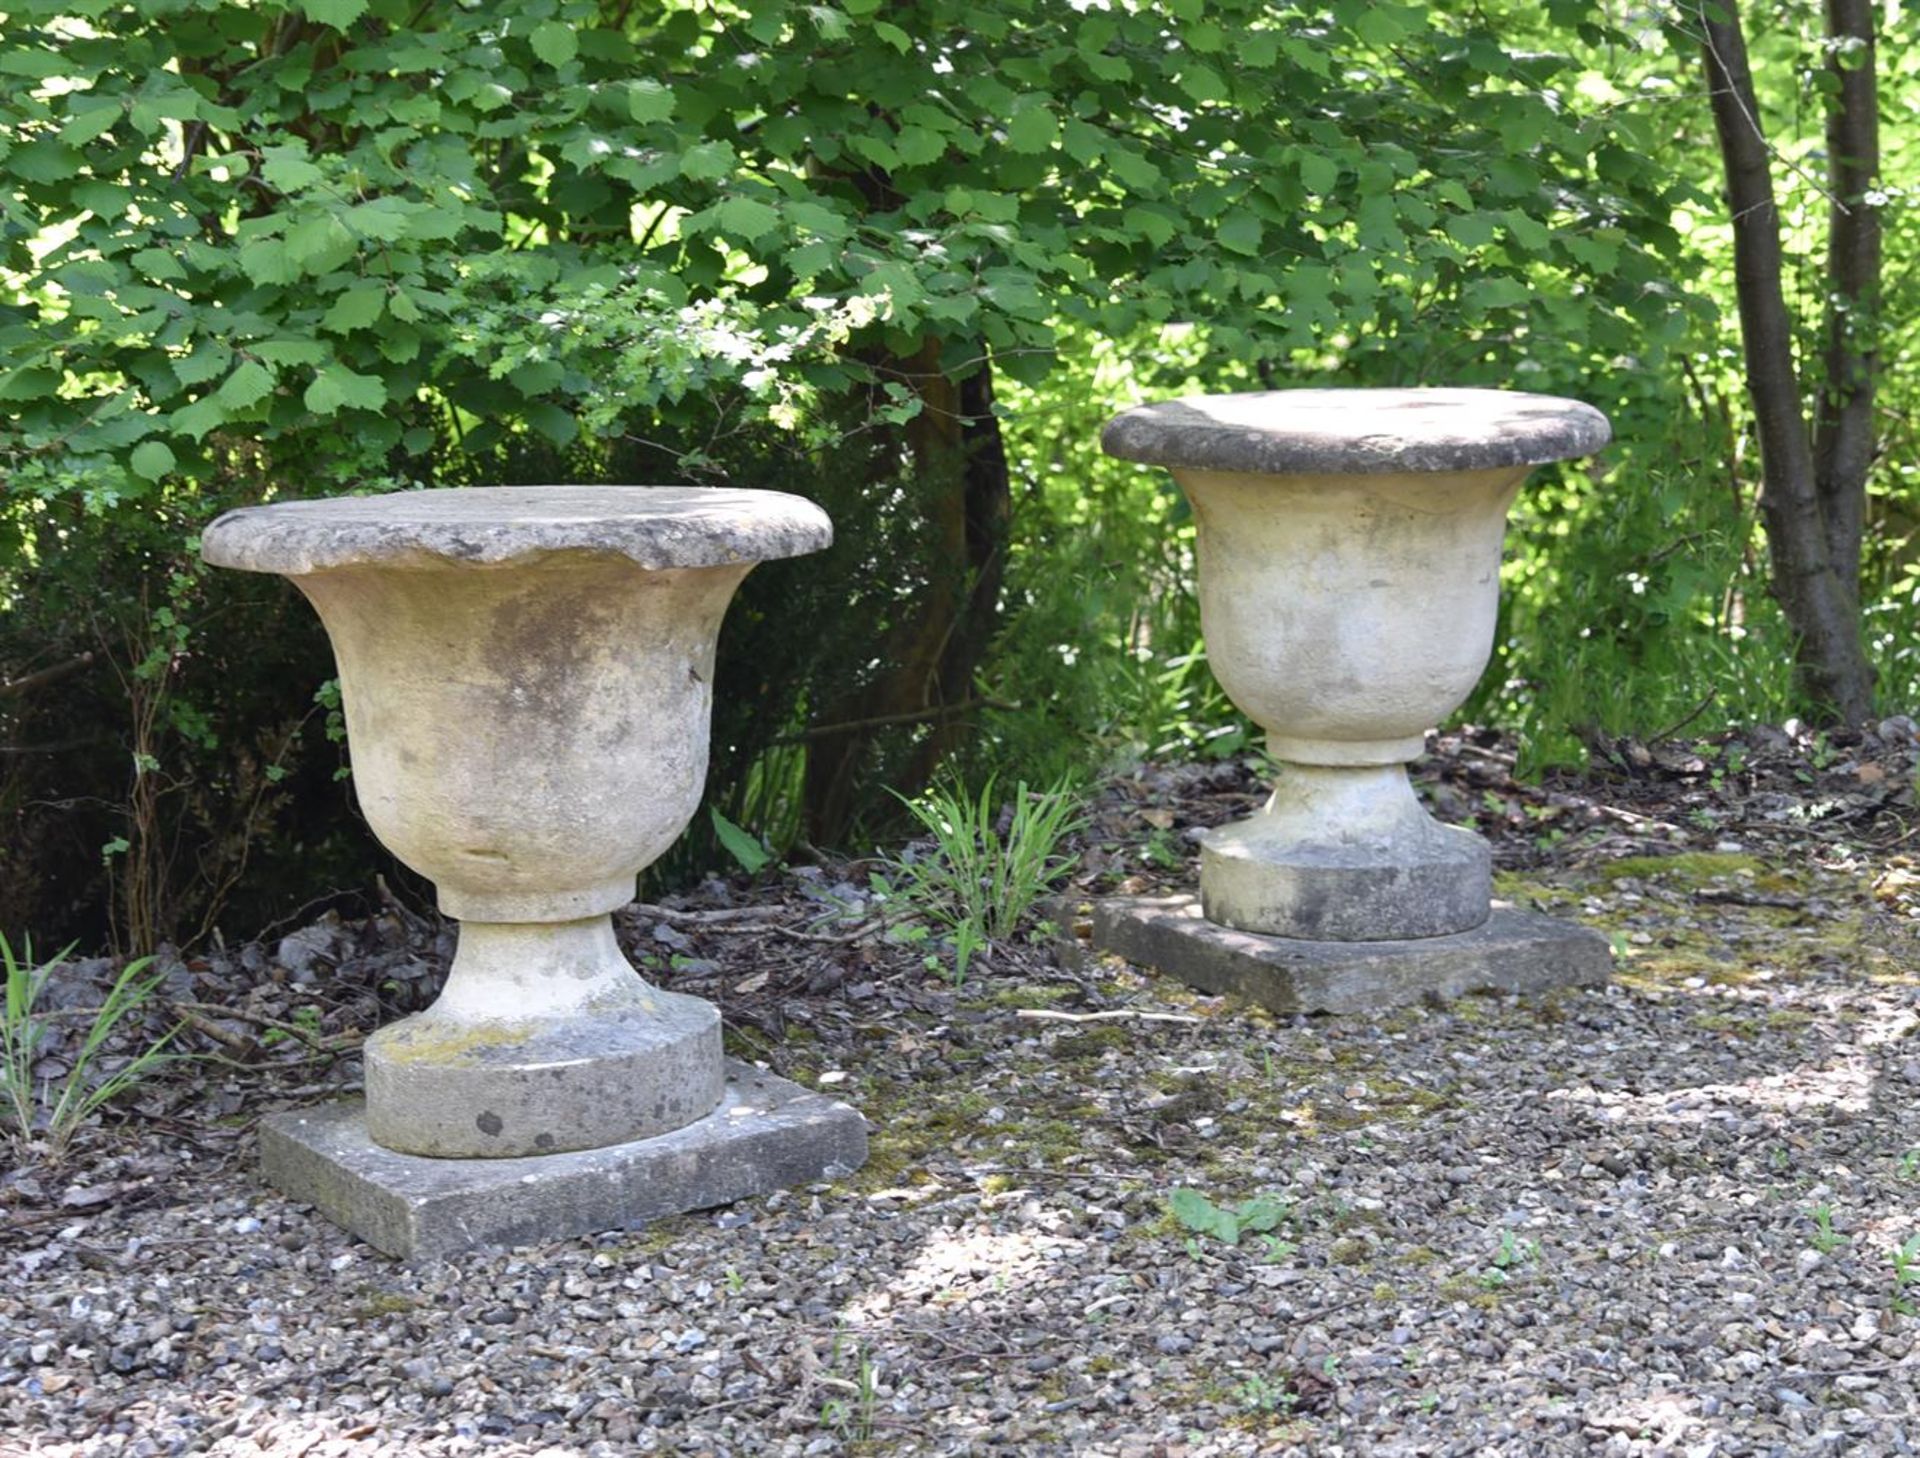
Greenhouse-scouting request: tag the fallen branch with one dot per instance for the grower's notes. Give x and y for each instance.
(882, 721)
(707, 918)
(40, 678)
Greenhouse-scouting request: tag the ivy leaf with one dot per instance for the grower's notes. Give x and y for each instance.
(554, 42)
(337, 387)
(151, 460)
(337, 13)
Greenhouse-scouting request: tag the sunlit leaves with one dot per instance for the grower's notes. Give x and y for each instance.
(337, 13)
(381, 225)
(336, 388)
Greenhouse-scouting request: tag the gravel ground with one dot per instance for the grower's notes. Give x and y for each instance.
(1659, 1218)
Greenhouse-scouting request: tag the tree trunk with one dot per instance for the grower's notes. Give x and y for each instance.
(1843, 430)
(929, 655)
(1815, 551)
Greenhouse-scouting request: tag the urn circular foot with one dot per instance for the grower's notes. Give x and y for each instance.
(1348, 855)
(544, 1041)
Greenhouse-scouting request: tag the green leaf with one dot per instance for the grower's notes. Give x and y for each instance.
(706, 161)
(83, 126)
(28, 383)
(151, 460)
(917, 146)
(336, 387)
(285, 352)
(649, 101)
(554, 42)
(208, 361)
(1473, 230)
(1203, 83)
(1496, 293)
(1032, 130)
(537, 376)
(198, 418)
(36, 63)
(337, 13)
(357, 308)
(746, 218)
(1132, 171)
(320, 244)
(1319, 173)
(1195, 1211)
(893, 36)
(287, 168)
(552, 421)
(1152, 224)
(247, 385)
(749, 852)
(265, 261)
(1240, 231)
(43, 161)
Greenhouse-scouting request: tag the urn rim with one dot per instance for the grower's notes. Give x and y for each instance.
(1356, 431)
(655, 527)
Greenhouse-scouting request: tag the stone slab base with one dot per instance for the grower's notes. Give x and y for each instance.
(1512, 951)
(766, 1134)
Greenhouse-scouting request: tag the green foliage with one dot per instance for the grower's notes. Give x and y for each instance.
(981, 875)
(276, 232)
(52, 1110)
(1197, 1212)
(749, 852)
(1905, 1259)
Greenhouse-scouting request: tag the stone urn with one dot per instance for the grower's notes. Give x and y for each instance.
(527, 680)
(1349, 548)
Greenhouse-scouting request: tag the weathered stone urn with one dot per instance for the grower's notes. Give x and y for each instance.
(526, 675)
(1349, 547)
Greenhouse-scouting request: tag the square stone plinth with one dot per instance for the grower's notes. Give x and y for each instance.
(766, 1134)
(1512, 951)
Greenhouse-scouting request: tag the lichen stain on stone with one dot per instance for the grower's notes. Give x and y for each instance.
(452, 1044)
(489, 1123)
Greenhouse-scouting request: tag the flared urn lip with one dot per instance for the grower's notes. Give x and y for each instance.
(655, 527)
(1352, 432)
